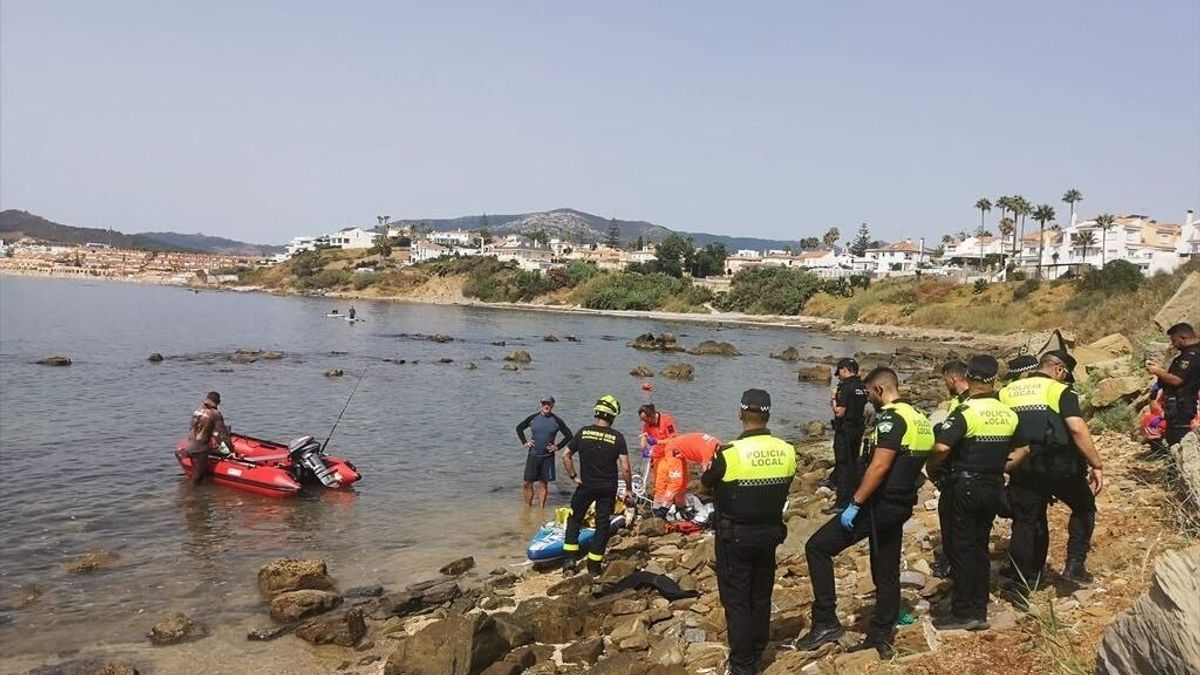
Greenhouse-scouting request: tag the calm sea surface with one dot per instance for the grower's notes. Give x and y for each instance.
(86, 452)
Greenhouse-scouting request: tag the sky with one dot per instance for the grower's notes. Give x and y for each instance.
(265, 120)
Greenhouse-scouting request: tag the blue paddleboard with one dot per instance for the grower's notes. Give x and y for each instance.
(547, 542)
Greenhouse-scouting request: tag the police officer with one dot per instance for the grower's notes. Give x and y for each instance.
(847, 403)
(978, 442)
(601, 449)
(954, 376)
(750, 478)
(1061, 450)
(1180, 382)
(1021, 367)
(900, 441)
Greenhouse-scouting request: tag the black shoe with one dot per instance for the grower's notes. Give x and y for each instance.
(594, 567)
(819, 635)
(570, 566)
(884, 649)
(1016, 594)
(941, 569)
(833, 510)
(731, 669)
(1075, 571)
(952, 622)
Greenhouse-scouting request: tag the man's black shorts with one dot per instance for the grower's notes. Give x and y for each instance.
(539, 469)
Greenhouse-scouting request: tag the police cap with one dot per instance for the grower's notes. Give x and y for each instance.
(756, 400)
(982, 368)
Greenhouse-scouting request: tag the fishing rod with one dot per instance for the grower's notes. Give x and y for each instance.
(345, 407)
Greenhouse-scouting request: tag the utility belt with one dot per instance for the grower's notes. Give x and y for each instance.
(997, 476)
(1053, 461)
(727, 525)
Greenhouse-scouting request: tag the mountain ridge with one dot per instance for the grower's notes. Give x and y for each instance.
(14, 222)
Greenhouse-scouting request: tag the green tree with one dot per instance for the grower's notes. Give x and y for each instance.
(1043, 214)
(614, 234)
(1005, 204)
(674, 254)
(1085, 240)
(862, 241)
(809, 243)
(641, 243)
(381, 246)
(1070, 197)
(1007, 227)
(710, 261)
(984, 205)
(1020, 208)
(831, 237)
(1104, 222)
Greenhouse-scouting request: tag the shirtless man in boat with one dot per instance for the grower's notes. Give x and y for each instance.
(207, 422)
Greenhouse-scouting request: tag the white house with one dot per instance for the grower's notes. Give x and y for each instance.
(352, 237)
(1189, 237)
(973, 249)
(454, 238)
(527, 254)
(898, 259)
(423, 249)
(1152, 246)
(298, 244)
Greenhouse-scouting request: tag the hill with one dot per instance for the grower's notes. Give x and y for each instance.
(14, 224)
(579, 226)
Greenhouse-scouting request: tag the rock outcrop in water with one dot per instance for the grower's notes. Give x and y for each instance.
(664, 342)
(293, 574)
(54, 361)
(715, 347)
(92, 561)
(678, 371)
(175, 629)
(519, 356)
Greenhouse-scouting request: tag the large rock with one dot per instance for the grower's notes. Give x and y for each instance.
(665, 342)
(1187, 463)
(678, 371)
(92, 666)
(55, 361)
(552, 620)
(92, 561)
(1160, 633)
(1113, 389)
(456, 645)
(1114, 345)
(715, 347)
(815, 374)
(587, 651)
(1183, 306)
(789, 354)
(344, 628)
(642, 371)
(293, 574)
(519, 356)
(175, 629)
(457, 567)
(296, 605)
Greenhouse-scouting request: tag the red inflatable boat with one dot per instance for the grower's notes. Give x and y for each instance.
(274, 469)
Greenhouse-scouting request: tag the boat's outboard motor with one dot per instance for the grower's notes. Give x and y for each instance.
(306, 453)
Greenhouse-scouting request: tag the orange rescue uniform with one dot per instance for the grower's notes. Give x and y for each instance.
(670, 464)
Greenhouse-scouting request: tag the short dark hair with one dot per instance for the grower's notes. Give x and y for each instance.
(1182, 330)
(883, 375)
(955, 368)
(214, 397)
(756, 416)
(647, 408)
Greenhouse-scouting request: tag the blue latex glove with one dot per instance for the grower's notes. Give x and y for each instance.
(848, 516)
(650, 440)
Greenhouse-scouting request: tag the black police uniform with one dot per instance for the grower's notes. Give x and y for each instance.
(750, 478)
(1179, 403)
(847, 438)
(941, 479)
(1053, 470)
(901, 428)
(980, 433)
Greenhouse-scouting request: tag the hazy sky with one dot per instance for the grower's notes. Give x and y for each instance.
(264, 120)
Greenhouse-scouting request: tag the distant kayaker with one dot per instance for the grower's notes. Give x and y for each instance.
(351, 312)
(207, 424)
(544, 427)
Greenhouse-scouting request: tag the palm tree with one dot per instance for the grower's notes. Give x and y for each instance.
(1104, 222)
(1043, 214)
(1007, 227)
(1021, 208)
(984, 205)
(1005, 204)
(1085, 240)
(1071, 196)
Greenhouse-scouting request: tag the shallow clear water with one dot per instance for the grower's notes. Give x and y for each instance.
(86, 452)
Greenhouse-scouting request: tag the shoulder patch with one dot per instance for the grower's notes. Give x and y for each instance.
(885, 426)
(947, 424)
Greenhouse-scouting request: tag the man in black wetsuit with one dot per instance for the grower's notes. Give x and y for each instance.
(600, 448)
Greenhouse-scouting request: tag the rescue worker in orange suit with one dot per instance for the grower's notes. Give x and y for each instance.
(750, 479)
(671, 459)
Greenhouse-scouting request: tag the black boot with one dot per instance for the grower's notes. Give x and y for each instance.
(884, 649)
(570, 565)
(820, 634)
(594, 567)
(1075, 571)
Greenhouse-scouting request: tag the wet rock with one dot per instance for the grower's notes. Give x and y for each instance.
(442, 591)
(270, 633)
(243, 357)
(641, 370)
(154, 357)
(334, 372)
(549, 337)
(815, 429)
(441, 338)
(788, 354)
(90, 562)
(175, 629)
(368, 591)
(55, 361)
(665, 342)
(295, 605)
(1114, 389)
(585, 651)
(18, 597)
(457, 567)
(472, 366)
(456, 645)
(344, 628)
(95, 666)
(814, 374)
(445, 360)
(715, 347)
(678, 371)
(271, 356)
(571, 338)
(509, 367)
(499, 343)
(293, 574)
(518, 356)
